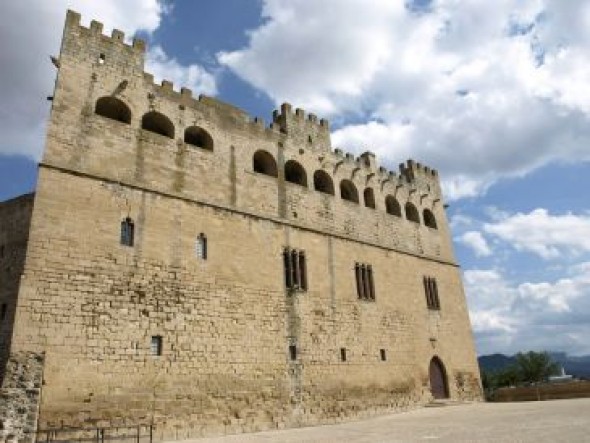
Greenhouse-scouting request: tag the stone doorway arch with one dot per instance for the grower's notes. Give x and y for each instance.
(438, 379)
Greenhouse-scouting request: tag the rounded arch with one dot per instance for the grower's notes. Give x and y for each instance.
(156, 122)
(369, 198)
(439, 385)
(392, 206)
(113, 108)
(412, 213)
(322, 182)
(197, 136)
(429, 219)
(264, 163)
(295, 173)
(348, 191)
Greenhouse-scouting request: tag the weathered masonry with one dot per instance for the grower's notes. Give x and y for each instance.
(185, 265)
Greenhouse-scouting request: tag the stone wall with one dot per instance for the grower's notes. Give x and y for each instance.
(94, 308)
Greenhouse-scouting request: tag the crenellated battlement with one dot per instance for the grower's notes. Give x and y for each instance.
(306, 131)
(117, 36)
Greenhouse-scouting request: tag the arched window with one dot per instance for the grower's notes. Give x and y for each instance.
(322, 182)
(201, 246)
(429, 219)
(113, 108)
(127, 232)
(294, 173)
(392, 206)
(412, 213)
(369, 197)
(198, 137)
(160, 124)
(264, 163)
(348, 191)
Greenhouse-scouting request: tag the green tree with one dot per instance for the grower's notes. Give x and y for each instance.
(535, 367)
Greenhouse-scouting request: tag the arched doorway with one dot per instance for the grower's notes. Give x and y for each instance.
(438, 379)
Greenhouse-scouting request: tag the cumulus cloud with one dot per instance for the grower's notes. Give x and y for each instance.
(30, 32)
(481, 90)
(192, 76)
(548, 236)
(477, 242)
(510, 317)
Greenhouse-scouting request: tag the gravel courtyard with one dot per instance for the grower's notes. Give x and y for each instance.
(547, 421)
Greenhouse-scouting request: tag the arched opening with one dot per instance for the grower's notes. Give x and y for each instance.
(198, 137)
(438, 379)
(412, 213)
(113, 108)
(160, 124)
(294, 173)
(322, 182)
(369, 197)
(348, 191)
(429, 219)
(264, 163)
(392, 206)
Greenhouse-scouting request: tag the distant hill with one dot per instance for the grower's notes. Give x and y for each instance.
(577, 366)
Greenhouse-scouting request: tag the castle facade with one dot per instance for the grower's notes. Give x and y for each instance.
(183, 264)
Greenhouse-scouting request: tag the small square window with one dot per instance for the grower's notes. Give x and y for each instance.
(293, 352)
(383, 355)
(101, 59)
(156, 345)
(343, 354)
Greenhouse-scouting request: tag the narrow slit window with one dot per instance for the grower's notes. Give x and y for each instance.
(127, 232)
(343, 354)
(3, 311)
(383, 355)
(201, 247)
(293, 352)
(156, 345)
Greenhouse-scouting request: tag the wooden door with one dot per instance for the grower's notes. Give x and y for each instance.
(438, 379)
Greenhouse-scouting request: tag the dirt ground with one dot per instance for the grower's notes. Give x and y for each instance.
(546, 421)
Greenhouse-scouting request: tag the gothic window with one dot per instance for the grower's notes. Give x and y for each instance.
(294, 173)
(201, 247)
(392, 206)
(322, 182)
(369, 197)
(113, 108)
(365, 286)
(158, 123)
(412, 213)
(295, 268)
(127, 232)
(348, 191)
(198, 137)
(431, 292)
(429, 219)
(264, 163)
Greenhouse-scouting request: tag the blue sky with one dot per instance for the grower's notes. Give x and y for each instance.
(495, 95)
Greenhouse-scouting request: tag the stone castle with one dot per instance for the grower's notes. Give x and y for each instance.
(183, 264)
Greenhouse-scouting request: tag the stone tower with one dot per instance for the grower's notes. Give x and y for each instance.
(183, 264)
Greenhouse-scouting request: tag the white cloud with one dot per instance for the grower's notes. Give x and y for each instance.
(30, 32)
(480, 90)
(194, 77)
(549, 236)
(476, 241)
(510, 317)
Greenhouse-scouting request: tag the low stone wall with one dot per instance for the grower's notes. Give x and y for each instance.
(579, 389)
(20, 394)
